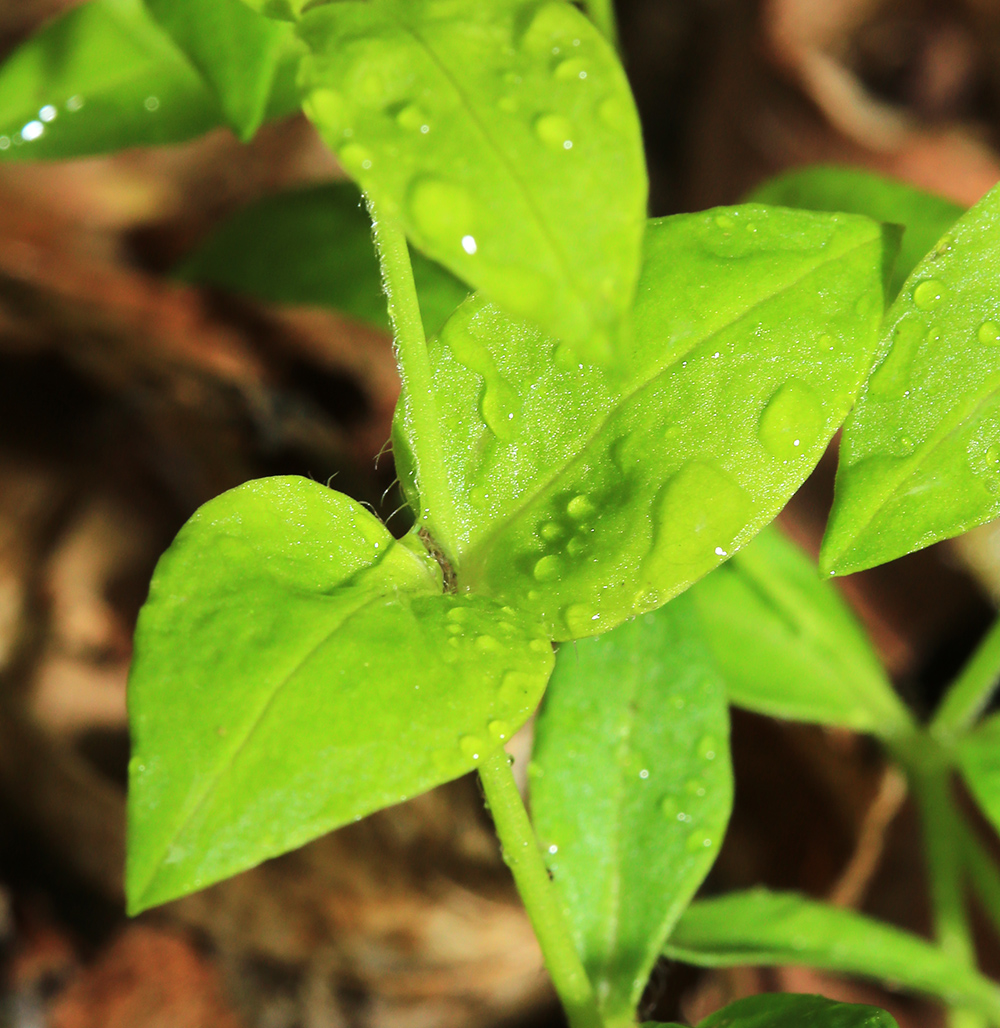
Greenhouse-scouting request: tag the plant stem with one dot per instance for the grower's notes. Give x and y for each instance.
(523, 857)
(602, 14)
(971, 691)
(983, 873)
(942, 831)
(437, 508)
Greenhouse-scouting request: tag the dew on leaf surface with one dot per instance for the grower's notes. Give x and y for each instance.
(548, 569)
(580, 508)
(790, 423)
(928, 294)
(471, 746)
(554, 131)
(442, 211)
(989, 333)
(892, 376)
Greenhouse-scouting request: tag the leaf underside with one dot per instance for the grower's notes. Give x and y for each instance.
(793, 1010)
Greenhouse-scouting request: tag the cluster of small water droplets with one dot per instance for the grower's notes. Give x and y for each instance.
(35, 128)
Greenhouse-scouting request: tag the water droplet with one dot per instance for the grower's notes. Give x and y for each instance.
(928, 294)
(499, 730)
(442, 211)
(572, 69)
(74, 103)
(614, 113)
(581, 619)
(508, 104)
(580, 508)
(548, 569)
(707, 748)
(700, 508)
(551, 26)
(695, 788)
(540, 646)
(551, 531)
(471, 746)
(414, 119)
(892, 376)
(791, 422)
(326, 107)
(644, 773)
(47, 113)
(33, 130)
(724, 222)
(698, 841)
(668, 807)
(458, 614)
(993, 455)
(455, 629)
(487, 644)
(553, 849)
(554, 131)
(989, 333)
(151, 103)
(355, 158)
(469, 244)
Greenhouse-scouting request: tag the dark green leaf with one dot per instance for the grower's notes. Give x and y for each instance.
(314, 246)
(296, 669)
(792, 1010)
(589, 499)
(925, 216)
(788, 645)
(502, 135)
(101, 77)
(631, 788)
(766, 928)
(979, 759)
(920, 456)
(236, 50)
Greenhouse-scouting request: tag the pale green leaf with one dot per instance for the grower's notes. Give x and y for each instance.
(926, 217)
(236, 50)
(314, 246)
(296, 669)
(789, 646)
(920, 456)
(631, 789)
(588, 498)
(501, 134)
(792, 1010)
(761, 928)
(979, 759)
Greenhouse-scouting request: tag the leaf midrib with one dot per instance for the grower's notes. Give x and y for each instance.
(477, 552)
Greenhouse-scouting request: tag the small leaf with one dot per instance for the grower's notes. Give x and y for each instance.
(296, 669)
(101, 77)
(501, 134)
(590, 500)
(788, 645)
(925, 216)
(761, 928)
(314, 246)
(920, 456)
(979, 759)
(631, 789)
(792, 1010)
(236, 50)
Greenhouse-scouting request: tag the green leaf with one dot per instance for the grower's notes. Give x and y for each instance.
(236, 50)
(314, 246)
(589, 499)
(920, 456)
(979, 759)
(925, 216)
(762, 928)
(631, 789)
(789, 646)
(101, 77)
(502, 136)
(296, 669)
(792, 1010)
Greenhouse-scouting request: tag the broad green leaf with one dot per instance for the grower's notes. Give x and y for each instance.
(979, 759)
(926, 217)
(789, 646)
(314, 246)
(920, 456)
(631, 789)
(236, 50)
(793, 1010)
(767, 928)
(588, 498)
(296, 669)
(101, 77)
(502, 135)
(282, 10)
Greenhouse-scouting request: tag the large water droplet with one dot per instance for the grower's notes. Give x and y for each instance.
(442, 211)
(412, 118)
(499, 730)
(356, 158)
(581, 619)
(700, 509)
(928, 294)
(989, 333)
(548, 569)
(549, 28)
(572, 69)
(698, 841)
(555, 131)
(471, 746)
(551, 531)
(576, 546)
(580, 508)
(790, 423)
(487, 644)
(892, 377)
(499, 402)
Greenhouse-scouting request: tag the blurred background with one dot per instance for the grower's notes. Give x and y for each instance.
(128, 399)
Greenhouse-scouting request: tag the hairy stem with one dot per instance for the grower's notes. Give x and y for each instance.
(602, 14)
(971, 691)
(523, 857)
(437, 509)
(942, 831)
